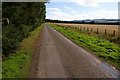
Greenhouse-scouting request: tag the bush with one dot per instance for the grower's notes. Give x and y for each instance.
(23, 18)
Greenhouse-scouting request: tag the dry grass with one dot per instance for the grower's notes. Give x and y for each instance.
(101, 28)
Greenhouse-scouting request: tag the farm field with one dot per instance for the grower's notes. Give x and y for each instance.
(101, 28)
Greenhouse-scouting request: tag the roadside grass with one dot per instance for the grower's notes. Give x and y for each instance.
(17, 65)
(108, 32)
(102, 48)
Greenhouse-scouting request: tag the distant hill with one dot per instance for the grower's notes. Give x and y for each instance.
(99, 21)
(88, 21)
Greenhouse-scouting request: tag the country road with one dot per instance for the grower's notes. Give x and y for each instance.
(61, 58)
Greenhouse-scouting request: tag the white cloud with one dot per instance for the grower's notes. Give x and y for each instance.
(53, 9)
(60, 15)
(70, 9)
(59, 0)
(101, 1)
(89, 3)
(92, 3)
(113, 14)
(66, 7)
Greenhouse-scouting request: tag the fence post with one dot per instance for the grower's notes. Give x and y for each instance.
(80, 29)
(84, 28)
(113, 33)
(87, 29)
(91, 29)
(97, 31)
(105, 31)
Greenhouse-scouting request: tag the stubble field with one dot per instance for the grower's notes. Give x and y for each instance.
(101, 29)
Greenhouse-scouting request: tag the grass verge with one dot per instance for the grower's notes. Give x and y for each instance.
(17, 65)
(102, 48)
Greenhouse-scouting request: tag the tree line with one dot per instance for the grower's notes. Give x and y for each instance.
(82, 22)
(18, 19)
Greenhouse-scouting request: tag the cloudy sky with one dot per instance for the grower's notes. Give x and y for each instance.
(82, 9)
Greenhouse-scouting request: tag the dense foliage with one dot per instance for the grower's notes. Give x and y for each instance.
(19, 18)
(21, 61)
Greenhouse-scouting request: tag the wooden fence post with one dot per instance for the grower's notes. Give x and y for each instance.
(97, 31)
(87, 29)
(91, 29)
(84, 28)
(113, 33)
(80, 28)
(105, 32)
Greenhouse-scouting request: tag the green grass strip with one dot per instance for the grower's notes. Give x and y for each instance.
(17, 65)
(100, 47)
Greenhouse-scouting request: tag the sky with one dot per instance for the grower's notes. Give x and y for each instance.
(82, 9)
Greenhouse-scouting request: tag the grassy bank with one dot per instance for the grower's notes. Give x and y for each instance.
(102, 48)
(17, 65)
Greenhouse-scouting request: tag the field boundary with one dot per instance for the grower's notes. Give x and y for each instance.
(109, 34)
